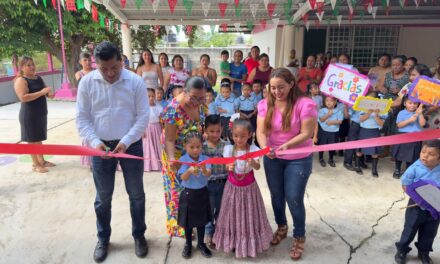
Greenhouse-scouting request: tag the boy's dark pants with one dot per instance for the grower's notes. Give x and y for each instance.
(226, 134)
(215, 189)
(421, 222)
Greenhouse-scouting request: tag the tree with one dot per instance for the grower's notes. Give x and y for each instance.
(26, 28)
(207, 39)
(146, 37)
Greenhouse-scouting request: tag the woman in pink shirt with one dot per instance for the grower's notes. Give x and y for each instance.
(286, 120)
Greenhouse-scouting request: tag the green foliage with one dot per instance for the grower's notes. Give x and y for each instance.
(26, 28)
(206, 39)
(147, 37)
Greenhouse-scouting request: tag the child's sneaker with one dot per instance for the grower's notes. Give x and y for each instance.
(424, 257)
(208, 241)
(400, 257)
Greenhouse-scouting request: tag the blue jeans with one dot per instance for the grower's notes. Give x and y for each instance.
(215, 189)
(287, 180)
(104, 178)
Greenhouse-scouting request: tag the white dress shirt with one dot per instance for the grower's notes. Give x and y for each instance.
(117, 111)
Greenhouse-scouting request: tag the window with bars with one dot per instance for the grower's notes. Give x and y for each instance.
(363, 43)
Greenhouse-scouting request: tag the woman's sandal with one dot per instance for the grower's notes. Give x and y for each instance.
(279, 235)
(297, 248)
(48, 164)
(39, 169)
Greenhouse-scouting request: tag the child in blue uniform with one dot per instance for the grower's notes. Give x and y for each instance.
(371, 124)
(212, 108)
(329, 119)
(353, 134)
(194, 208)
(314, 93)
(418, 220)
(257, 90)
(159, 97)
(246, 105)
(408, 120)
(225, 103)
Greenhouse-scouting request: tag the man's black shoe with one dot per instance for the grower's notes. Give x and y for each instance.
(140, 247)
(322, 162)
(400, 257)
(204, 250)
(396, 174)
(186, 253)
(100, 252)
(424, 257)
(349, 166)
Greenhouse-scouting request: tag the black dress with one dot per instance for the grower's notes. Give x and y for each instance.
(33, 114)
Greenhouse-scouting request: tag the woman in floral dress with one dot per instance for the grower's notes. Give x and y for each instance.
(185, 113)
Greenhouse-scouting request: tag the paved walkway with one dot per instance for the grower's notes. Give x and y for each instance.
(49, 218)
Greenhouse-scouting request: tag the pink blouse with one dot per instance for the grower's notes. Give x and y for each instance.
(303, 109)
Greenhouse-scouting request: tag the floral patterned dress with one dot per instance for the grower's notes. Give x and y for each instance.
(174, 114)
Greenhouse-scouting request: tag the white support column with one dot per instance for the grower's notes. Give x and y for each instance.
(126, 42)
(287, 44)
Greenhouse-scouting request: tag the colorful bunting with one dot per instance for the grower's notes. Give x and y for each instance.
(54, 4)
(312, 4)
(320, 16)
(250, 25)
(254, 9)
(95, 16)
(224, 27)
(205, 8)
(155, 5)
(287, 8)
(63, 5)
(275, 21)
(238, 9)
(188, 4)
(320, 7)
(237, 26)
(36, 2)
(80, 4)
(374, 11)
(307, 25)
(172, 4)
(236, 2)
(178, 28)
(222, 7)
(138, 3)
(402, 3)
(102, 20)
(266, 2)
(189, 29)
(417, 3)
(123, 2)
(270, 9)
(45, 3)
(333, 3)
(88, 5)
(212, 29)
(339, 17)
(263, 23)
(70, 4)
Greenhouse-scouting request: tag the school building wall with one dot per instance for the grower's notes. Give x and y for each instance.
(422, 42)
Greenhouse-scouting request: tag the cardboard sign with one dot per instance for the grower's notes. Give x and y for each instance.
(344, 84)
(425, 90)
(365, 103)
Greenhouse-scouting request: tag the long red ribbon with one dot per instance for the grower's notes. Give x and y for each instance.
(47, 149)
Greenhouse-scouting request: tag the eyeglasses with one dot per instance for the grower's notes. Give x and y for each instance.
(196, 100)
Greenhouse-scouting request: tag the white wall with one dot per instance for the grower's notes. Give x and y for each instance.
(420, 42)
(269, 42)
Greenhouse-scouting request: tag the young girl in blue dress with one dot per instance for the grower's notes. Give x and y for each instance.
(371, 124)
(329, 119)
(194, 208)
(408, 120)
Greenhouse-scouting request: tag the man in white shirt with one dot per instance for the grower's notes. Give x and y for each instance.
(112, 113)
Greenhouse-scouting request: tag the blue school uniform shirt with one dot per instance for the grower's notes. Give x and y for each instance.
(337, 115)
(246, 104)
(318, 101)
(258, 97)
(370, 123)
(227, 104)
(193, 182)
(237, 72)
(354, 115)
(418, 171)
(212, 109)
(413, 127)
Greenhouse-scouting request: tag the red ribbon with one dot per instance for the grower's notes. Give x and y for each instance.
(72, 150)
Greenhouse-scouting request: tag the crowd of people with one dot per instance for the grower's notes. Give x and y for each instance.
(168, 113)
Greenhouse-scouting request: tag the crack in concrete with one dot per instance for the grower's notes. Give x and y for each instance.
(352, 248)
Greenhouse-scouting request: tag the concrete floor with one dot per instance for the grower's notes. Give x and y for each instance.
(49, 218)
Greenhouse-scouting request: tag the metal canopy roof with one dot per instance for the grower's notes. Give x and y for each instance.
(427, 13)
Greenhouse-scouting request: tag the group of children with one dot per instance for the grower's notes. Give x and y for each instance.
(223, 200)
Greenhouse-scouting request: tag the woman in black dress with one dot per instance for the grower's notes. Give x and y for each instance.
(32, 92)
